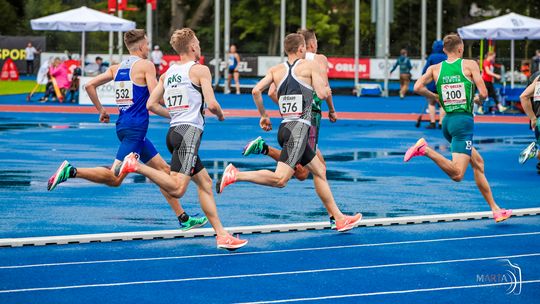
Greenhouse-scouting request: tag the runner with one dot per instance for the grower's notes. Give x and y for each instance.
(134, 79)
(234, 60)
(185, 87)
(258, 145)
(455, 93)
(530, 100)
(296, 80)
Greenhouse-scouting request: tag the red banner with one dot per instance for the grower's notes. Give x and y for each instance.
(154, 4)
(168, 60)
(71, 65)
(9, 70)
(344, 68)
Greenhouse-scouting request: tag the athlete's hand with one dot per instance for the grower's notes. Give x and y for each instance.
(104, 117)
(332, 116)
(265, 123)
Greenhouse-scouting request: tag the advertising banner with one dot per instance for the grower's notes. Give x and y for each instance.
(13, 47)
(344, 68)
(105, 93)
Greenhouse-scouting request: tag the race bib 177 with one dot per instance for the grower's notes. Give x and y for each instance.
(176, 99)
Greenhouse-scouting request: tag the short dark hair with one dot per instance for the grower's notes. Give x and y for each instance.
(98, 58)
(131, 38)
(308, 34)
(451, 42)
(293, 42)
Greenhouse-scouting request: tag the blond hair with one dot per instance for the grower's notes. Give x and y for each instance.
(451, 42)
(181, 39)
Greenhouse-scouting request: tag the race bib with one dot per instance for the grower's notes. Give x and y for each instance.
(536, 96)
(123, 91)
(290, 106)
(176, 99)
(454, 94)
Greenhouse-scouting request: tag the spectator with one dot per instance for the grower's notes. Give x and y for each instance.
(74, 87)
(30, 52)
(59, 72)
(488, 75)
(437, 56)
(234, 61)
(405, 67)
(101, 66)
(156, 55)
(535, 66)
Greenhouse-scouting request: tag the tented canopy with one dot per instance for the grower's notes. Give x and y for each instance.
(83, 20)
(508, 27)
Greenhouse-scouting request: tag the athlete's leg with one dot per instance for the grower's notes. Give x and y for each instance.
(442, 114)
(322, 188)
(406, 82)
(158, 163)
(477, 164)
(301, 173)
(237, 81)
(174, 184)
(206, 199)
(278, 178)
(228, 85)
(454, 168)
(432, 110)
(101, 175)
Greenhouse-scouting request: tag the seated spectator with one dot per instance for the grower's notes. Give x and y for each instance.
(59, 72)
(73, 96)
(101, 66)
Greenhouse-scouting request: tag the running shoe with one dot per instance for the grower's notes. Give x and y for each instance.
(129, 164)
(501, 108)
(229, 242)
(419, 149)
(530, 152)
(332, 223)
(348, 222)
(193, 222)
(501, 215)
(229, 177)
(61, 175)
(254, 147)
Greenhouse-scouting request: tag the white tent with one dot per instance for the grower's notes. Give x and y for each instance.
(83, 20)
(508, 27)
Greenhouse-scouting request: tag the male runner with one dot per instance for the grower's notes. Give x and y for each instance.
(134, 79)
(530, 100)
(455, 79)
(258, 146)
(295, 80)
(185, 87)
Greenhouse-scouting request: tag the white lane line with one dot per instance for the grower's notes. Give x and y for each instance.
(391, 292)
(269, 274)
(272, 251)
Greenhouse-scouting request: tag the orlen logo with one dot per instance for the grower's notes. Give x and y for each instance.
(347, 67)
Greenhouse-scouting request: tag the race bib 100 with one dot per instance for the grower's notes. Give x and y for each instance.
(454, 94)
(536, 96)
(123, 91)
(176, 99)
(290, 106)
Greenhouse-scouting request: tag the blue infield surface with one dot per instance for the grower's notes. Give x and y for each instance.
(462, 261)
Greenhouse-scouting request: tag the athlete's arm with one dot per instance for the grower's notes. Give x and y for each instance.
(257, 97)
(205, 79)
(153, 104)
(323, 62)
(272, 93)
(321, 89)
(150, 75)
(477, 78)
(525, 98)
(420, 84)
(90, 88)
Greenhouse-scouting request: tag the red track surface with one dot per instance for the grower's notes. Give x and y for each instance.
(254, 113)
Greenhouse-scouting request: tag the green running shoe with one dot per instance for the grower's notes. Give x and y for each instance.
(61, 175)
(193, 222)
(528, 153)
(254, 147)
(332, 223)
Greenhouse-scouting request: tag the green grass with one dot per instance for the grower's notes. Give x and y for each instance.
(19, 87)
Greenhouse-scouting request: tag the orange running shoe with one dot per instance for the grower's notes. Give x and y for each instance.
(348, 222)
(130, 163)
(501, 215)
(419, 149)
(229, 177)
(229, 242)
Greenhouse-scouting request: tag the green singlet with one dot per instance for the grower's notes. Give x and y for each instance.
(455, 90)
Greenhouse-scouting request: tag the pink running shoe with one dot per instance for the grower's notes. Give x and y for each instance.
(229, 242)
(348, 222)
(229, 177)
(130, 163)
(501, 215)
(419, 149)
